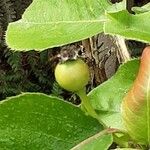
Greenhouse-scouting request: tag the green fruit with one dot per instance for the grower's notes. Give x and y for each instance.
(72, 75)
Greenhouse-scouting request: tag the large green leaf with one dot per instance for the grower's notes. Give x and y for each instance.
(37, 121)
(99, 141)
(136, 104)
(107, 97)
(130, 26)
(49, 23)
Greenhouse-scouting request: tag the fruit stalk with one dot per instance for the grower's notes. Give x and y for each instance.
(85, 102)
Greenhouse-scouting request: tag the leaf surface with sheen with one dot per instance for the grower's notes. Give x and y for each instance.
(135, 27)
(51, 23)
(107, 97)
(136, 104)
(37, 121)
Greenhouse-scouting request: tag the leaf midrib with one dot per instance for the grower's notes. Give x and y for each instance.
(59, 22)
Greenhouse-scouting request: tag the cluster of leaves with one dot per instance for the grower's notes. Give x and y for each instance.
(62, 125)
(38, 121)
(53, 29)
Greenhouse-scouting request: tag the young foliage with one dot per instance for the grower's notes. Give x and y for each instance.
(143, 9)
(136, 104)
(36, 121)
(56, 23)
(135, 27)
(107, 97)
(69, 21)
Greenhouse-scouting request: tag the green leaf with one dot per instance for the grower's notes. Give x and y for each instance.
(143, 9)
(51, 23)
(106, 98)
(135, 27)
(118, 6)
(100, 140)
(136, 104)
(37, 121)
(127, 149)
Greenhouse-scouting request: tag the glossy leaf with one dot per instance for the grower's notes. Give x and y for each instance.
(51, 23)
(107, 98)
(101, 140)
(37, 121)
(135, 27)
(136, 104)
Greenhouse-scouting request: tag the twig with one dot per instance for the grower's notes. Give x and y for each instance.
(123, 52)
